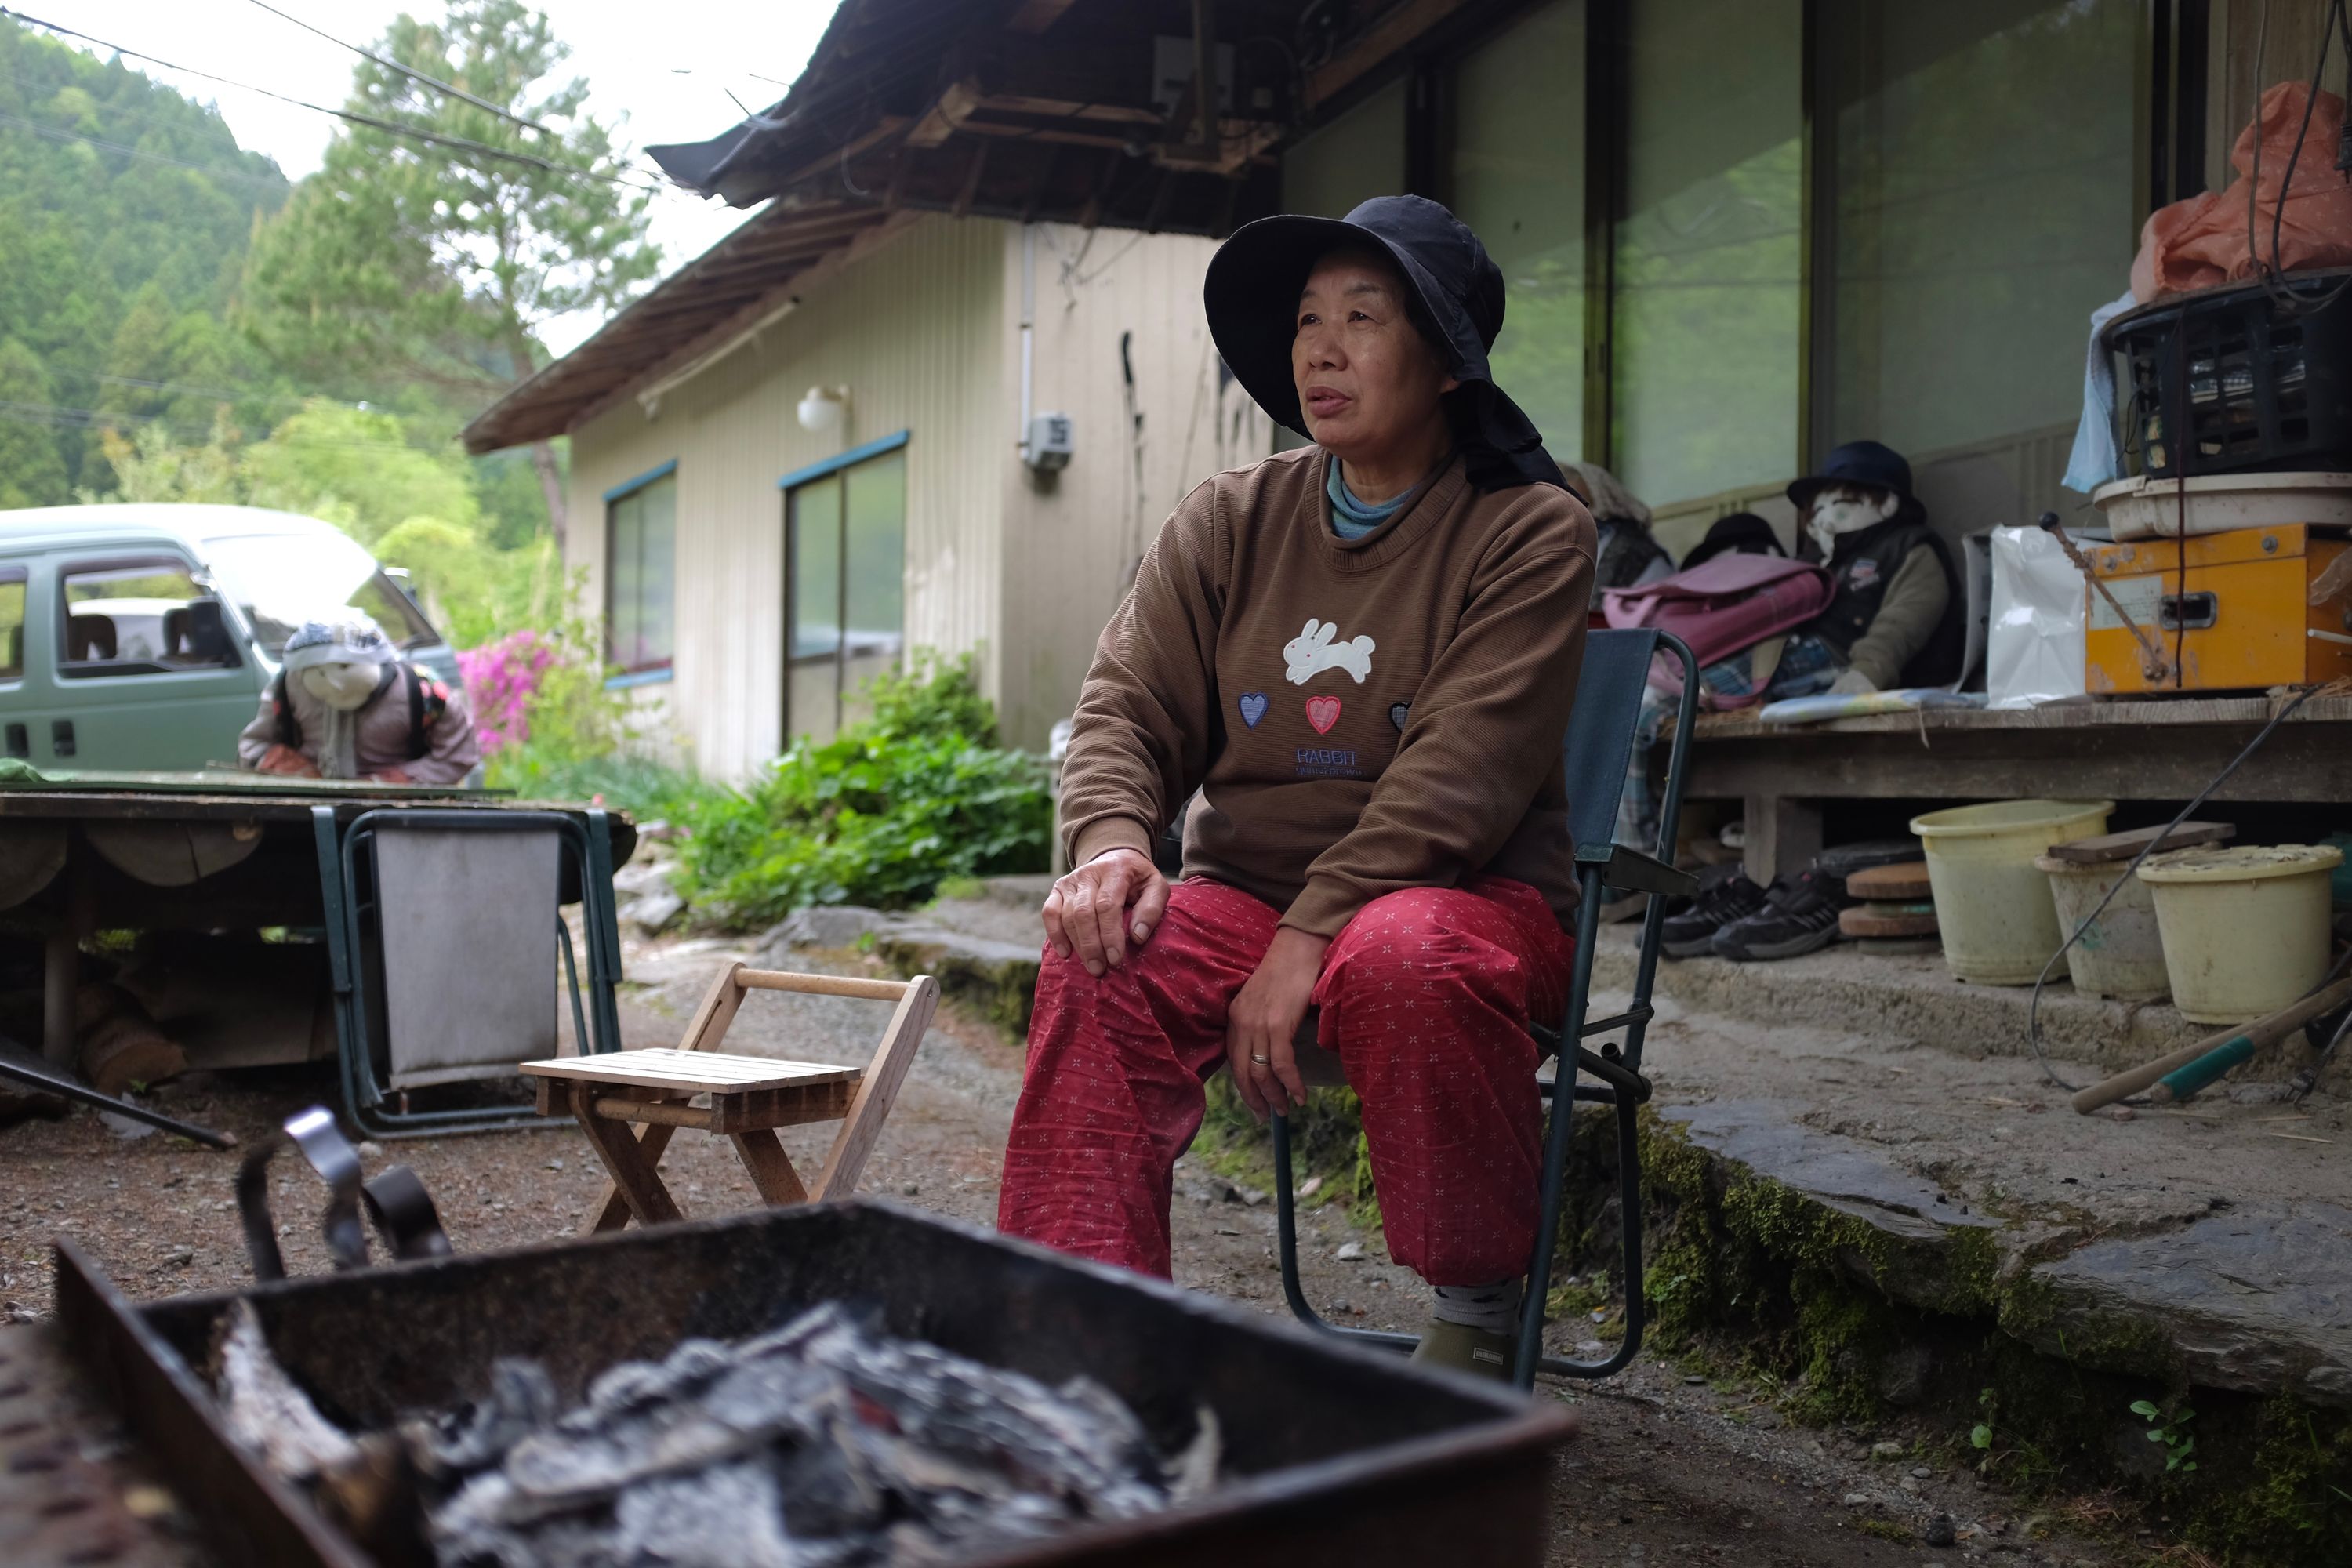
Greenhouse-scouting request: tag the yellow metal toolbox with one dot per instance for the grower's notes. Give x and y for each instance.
(2236, 606)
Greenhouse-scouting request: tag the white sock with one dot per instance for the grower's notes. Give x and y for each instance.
(1494, 1307)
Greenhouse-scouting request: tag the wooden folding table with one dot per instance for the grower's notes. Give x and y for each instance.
(742, 1098)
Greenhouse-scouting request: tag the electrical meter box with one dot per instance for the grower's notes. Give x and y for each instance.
(1051, 438)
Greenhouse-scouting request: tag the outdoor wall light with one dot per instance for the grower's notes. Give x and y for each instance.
(823, 408)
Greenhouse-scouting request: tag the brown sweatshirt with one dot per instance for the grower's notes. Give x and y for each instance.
(1358, 715)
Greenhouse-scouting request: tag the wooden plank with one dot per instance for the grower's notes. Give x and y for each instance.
(2299, 762)
(689, 1072)
(823, 984)
(1400, 26)
(656, 1112)
(1783, 836)
(613, 1211)
(947, 115)
(2124, 846)
(716, 1010)
(2130, 714)
(631, 1164)
(879, 1088)
(781, 1107)
(772, 1169)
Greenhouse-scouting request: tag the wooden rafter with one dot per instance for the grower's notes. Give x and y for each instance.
(1391, 33)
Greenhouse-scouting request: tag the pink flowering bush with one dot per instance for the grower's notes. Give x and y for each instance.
(502, 678)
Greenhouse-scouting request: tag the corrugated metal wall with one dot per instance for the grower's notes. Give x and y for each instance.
(916, 332)
(1071, 542)
(926, 334)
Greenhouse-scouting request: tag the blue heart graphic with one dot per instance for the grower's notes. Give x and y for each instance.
(1252, 707)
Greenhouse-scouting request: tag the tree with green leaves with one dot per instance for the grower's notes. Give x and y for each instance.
(31, 472)
(440, 261)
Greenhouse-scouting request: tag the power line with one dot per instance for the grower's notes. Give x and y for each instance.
(349, 116)
(436, 83)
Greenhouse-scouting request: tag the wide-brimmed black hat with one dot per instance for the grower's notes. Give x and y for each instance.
(1252, 298)
(1856, 463)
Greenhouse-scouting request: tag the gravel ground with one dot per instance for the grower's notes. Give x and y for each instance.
(1669, 1468)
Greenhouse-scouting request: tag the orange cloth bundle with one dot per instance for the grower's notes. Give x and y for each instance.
(2200, 243)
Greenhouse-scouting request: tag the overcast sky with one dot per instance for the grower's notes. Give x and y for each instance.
(664, 70)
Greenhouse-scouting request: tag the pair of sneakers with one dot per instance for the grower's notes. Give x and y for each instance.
(1733, 918)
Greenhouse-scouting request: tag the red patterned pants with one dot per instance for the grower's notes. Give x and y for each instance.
(1426, 995)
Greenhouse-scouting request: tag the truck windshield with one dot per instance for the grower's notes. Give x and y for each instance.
(280, 580)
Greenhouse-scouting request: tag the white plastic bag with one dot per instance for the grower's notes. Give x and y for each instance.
(2034, 645)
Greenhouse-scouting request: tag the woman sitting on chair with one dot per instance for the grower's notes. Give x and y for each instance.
(1362, 655)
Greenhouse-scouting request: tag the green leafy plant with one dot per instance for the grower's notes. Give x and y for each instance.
(1981, 1436)
(918, 793)
(2172, 1432)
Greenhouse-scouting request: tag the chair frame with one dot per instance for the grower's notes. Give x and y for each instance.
(596, 1026)
(1619, 1070)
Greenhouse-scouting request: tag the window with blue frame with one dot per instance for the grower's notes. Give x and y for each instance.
(846, 564)
(641, 573)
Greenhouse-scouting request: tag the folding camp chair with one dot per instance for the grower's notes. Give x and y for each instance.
(443, 929)
(1599, 748)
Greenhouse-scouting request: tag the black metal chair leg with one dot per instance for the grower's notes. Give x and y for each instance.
(1554, 1173)
(1286, 1225)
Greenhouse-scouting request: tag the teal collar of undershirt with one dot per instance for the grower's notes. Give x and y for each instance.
(1352, 518)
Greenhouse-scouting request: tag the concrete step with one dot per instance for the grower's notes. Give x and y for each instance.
(1916, 999)
(2246, 1293)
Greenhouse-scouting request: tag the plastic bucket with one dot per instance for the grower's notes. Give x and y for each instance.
(2121, 953)
(1994, 909)
(2244, 926)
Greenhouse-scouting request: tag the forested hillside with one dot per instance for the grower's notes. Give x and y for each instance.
(125, 215)
(178, 322)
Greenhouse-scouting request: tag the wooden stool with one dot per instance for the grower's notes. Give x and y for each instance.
(748, 1098)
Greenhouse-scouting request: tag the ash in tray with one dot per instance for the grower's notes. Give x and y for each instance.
(819, 1445)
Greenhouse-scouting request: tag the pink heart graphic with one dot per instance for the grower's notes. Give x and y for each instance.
(1322, 712)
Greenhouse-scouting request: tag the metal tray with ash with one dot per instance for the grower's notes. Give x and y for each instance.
(820, 1387)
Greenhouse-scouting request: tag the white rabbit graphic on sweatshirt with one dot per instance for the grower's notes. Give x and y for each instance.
(1313, 651)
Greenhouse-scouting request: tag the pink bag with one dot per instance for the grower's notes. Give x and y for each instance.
(1724, 606)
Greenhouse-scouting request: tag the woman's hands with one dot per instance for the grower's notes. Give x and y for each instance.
(1088, 912)
(1263, 1020)
(287, 762)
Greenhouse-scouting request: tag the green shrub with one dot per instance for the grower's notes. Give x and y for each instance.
(917, 792)
(648, 790)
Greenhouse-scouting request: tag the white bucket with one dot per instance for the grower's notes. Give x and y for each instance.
(2244, 926)
(2121, 953)
(1993, 909)
(2150, 507)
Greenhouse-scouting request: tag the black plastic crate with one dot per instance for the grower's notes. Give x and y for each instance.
(2263, 383)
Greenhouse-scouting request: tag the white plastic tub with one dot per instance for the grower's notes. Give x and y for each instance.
(2121, 954)
(2145, 508)
(2244, 926)
(1993, 908)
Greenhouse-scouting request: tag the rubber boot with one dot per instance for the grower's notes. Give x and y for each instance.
(1481, 1352)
